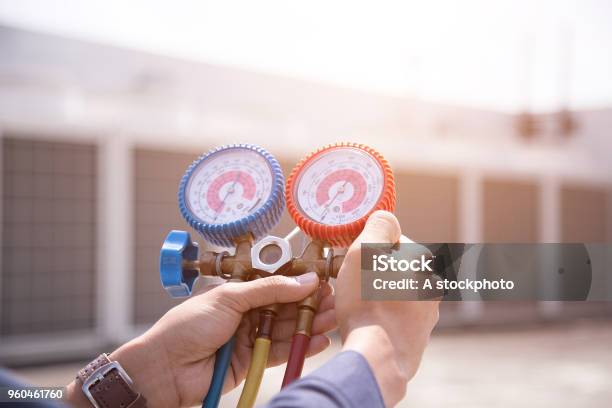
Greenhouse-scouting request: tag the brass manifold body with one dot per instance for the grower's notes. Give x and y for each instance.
(239, 267)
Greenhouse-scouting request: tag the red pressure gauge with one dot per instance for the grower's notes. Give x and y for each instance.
(332, 191)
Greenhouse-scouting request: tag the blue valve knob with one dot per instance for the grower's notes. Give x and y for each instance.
(178, 247)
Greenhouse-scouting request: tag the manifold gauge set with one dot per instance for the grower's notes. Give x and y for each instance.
(234, 195)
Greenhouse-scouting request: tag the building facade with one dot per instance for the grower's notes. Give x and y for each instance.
(94, 140)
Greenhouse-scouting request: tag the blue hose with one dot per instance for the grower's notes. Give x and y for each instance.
(223, 358)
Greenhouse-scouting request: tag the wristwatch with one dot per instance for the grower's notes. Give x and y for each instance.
(106, 384)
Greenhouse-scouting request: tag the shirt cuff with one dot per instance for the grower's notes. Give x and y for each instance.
(351, 378)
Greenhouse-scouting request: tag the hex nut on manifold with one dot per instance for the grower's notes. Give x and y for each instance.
(278, 248)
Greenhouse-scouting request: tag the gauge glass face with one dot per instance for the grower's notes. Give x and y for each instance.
(340, 186)
(228, 186)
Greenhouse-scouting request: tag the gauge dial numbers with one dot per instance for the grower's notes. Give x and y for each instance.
(332, 191)
(229, 186)
(340, 186)
(232, 191)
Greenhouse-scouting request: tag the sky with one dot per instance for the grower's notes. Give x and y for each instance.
(495, 54)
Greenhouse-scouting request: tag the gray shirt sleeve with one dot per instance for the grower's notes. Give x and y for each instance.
(344, 381)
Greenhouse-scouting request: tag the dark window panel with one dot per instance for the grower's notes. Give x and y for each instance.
(427, 206)
(510, 211)
(583, 214)
(49, 236)
(510, 214)
(156, 179)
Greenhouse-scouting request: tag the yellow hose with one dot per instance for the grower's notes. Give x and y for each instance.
(259, 360)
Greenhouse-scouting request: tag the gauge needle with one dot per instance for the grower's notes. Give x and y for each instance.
(229, 191)
(340, 191)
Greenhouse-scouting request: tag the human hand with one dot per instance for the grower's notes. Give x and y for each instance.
(391, 335)
(172, 363)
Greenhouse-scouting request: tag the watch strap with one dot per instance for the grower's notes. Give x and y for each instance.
(107, 385)
(85, 372)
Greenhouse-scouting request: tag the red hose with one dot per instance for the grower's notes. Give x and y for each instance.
(297, 355)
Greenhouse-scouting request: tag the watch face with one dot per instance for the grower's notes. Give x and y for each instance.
(339, 186)
(229, 186)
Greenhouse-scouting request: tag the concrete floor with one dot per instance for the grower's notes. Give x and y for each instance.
(559, 366)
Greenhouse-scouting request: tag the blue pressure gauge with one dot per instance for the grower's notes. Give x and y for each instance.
(232, 191)
(227, 193)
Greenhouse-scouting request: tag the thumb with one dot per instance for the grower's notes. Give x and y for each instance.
(382, 227)
(245, 296)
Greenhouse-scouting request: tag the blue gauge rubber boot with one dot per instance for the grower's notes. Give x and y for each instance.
(223, 358)
(177, 248)
(257, 223)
